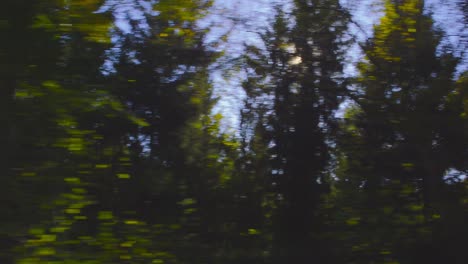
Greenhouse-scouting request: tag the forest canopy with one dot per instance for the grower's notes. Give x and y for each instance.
(115, 149)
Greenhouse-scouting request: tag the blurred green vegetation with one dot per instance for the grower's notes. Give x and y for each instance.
(111, 151)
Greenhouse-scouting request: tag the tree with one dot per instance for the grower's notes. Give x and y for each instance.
(301, 69)
(399, 142)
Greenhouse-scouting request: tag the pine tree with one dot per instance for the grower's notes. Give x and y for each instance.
(301, 71)
(396, 147)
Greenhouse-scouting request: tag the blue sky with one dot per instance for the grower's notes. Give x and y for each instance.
(255, 14)
(242, 18)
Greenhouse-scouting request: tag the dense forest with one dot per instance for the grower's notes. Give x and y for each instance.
(113, 152)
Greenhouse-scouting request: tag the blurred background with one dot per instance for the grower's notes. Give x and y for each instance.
(210, 131)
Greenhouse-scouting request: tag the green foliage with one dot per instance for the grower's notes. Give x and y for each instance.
(398, 144)
(111, 152)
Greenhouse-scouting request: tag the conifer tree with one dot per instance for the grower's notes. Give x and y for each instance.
(398, 142)
(301, 71)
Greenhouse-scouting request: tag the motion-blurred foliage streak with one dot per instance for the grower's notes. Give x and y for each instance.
(111, 151)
